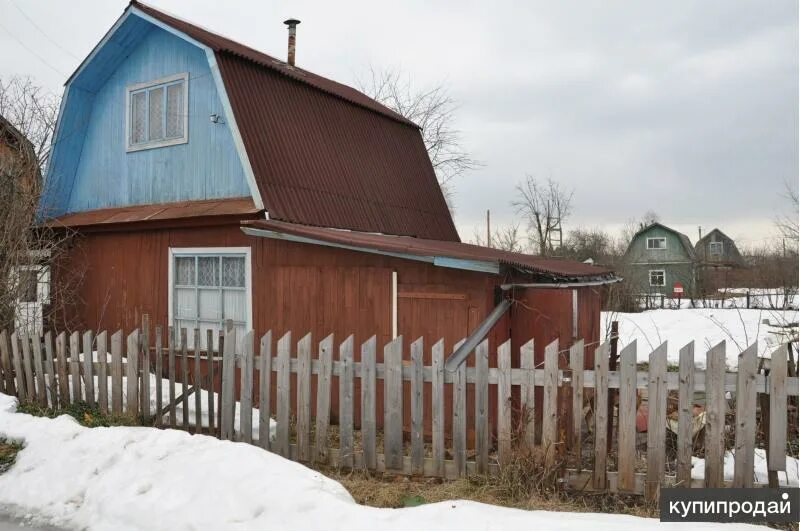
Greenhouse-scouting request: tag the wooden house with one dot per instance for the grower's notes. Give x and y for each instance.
(210, 181)
(719, 263)
(658, 257)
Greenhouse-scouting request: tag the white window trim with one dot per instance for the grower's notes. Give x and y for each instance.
(129, 148)
(711, 248)
(647, 244)
(193, 251)
(650, 277)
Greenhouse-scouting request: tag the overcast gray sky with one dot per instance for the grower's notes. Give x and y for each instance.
(688, 108)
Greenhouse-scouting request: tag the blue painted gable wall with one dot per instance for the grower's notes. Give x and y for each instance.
(207, 167)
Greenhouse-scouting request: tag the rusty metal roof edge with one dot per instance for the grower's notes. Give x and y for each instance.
(437, 260)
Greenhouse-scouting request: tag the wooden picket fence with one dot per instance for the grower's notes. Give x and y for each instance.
(59, 370)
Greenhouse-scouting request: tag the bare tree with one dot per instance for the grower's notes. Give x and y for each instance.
(434, 111)
(787, 224)
(544, 207)
(506, 238)
(27, 119)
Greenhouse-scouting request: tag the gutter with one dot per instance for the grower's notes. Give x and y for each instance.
(564, 285)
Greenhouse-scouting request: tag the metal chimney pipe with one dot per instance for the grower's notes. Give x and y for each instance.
(292, 25)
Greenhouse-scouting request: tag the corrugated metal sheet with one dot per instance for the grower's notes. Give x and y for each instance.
(186, 209)
(435, 248)
(325, 154)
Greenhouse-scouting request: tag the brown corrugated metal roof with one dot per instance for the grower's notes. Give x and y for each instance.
(158, 212)
(325, 154)
(434, 248)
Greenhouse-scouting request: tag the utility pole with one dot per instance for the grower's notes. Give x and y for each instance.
(488, 230)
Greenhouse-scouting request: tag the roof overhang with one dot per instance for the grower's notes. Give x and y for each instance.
(437, 260)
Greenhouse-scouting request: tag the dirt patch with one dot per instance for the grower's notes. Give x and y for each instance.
(8, 453)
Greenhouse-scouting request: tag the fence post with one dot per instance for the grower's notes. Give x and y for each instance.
(346, 404)
(776, 457)
(132, 374)
(437, 406)
(460, 415)
(504, 402)
(264, 392)
(745, 418)
(282, 395)
(656, 421)
(550, 403)
(528, 391)
(393, 409)
(304, 398)
(368, 403)
(417, 412)
(715, 411)
(626, 425)
(246, 398)
(228, 405)
(576, 367)
(600, 418)
(683, 470)
(482, 407)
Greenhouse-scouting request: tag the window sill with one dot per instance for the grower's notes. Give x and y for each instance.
(159, 144)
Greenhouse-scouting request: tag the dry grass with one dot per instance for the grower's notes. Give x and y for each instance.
(524, 483)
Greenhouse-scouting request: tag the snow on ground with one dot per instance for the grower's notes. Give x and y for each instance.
(789, 478)
(144, 478)
(707, 327)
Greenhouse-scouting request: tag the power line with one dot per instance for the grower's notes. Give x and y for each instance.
(40, 30)
(39, 57)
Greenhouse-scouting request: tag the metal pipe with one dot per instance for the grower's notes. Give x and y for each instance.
(557, 285)
(292, 24)
(460, 355)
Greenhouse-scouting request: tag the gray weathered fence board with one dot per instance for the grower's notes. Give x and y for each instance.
(683, 467)
(27, 363)
(460, 415)
(116, 372)
(776, 454)
(282, 395)
(323, 408)
(346, 444)
(304, 398)
(159, 381)
(264, 391)
(102, 371)
(715, 415)
(228, 400)
(144, 340)
(626, 437)
(38, 365)
(437, 405)
(18, 372)
(132, 374)
(246, 389)
(576, 366)
(600, 416)
(504, 402)
(50, 369)
(368, 401)
(417, 411)
(528, 391)
(173, 421)
(5, 361)
(88, 359)
(745, 427)
(211, 381)
(74, 367)
(656, 421)
(185, 377)
(482, 407)
(393, 409)
(550, 403)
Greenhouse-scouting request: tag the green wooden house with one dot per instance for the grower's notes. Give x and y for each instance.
(658, 257)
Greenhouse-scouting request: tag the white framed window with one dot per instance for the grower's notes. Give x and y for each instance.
(657, 277)
(656, 243)
(208, 286)
(715, 248)
(157, 114)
